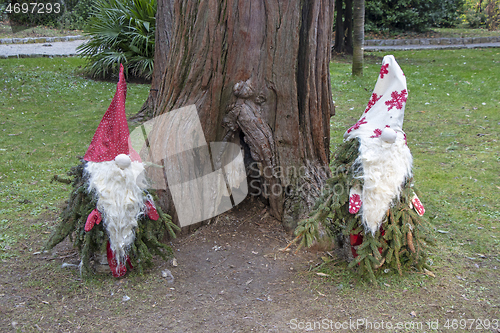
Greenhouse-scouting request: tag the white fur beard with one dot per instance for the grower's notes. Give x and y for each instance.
(120, 199)
(385, 168)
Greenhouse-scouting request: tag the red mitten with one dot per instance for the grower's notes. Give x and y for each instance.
(417, 204)
(93, 219)
(118, 270)
(354, 203)
(151, 211)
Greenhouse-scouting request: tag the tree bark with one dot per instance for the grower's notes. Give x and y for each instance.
(348, 26)
(163, 39)
(343, 27)
(258, 73)
(339, 27)
(359, 37)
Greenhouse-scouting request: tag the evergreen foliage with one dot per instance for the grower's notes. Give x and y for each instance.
(68, 14)
(121, 31)
(405, 237)
(412, 15)
(72, 223)
(77, 14)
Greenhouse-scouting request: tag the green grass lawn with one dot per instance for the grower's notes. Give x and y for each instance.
(457, 32)
(41, 31)
(465, 32)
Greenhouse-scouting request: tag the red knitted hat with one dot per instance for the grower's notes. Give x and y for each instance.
(112, 135)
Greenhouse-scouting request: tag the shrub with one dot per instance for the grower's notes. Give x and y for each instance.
(77, 14)
(493, 12)
(121, 31)
(24, 15)
(411, 15)
(475, 19)
(71, 14)
(448, 12)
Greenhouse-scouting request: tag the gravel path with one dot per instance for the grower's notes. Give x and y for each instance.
(47, 49)
(66, 46)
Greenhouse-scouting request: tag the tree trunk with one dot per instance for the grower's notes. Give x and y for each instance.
(163, 39)
(343, 27)
(339, 27)
(258, 73)
(359, 37)
(348, 26)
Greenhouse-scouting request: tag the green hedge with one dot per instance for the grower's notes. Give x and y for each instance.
(69, 14)
(411, 15)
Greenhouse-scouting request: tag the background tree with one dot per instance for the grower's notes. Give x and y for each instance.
(163, 39)
(359, 37)
(258, 73)
(343, 27)
(493, 13)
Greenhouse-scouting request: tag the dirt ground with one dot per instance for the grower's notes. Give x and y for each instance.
(231, 277)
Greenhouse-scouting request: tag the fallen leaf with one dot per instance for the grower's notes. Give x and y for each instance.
(427, 272)
(322, 274)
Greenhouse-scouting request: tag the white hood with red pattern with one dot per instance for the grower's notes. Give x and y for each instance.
(384, 161)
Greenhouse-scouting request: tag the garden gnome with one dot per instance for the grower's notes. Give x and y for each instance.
(114, 174)
(385, 162)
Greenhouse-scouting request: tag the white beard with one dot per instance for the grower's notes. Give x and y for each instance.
(385, 168)
(120, 199)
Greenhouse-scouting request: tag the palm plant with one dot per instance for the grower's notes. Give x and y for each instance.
(121, 31)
